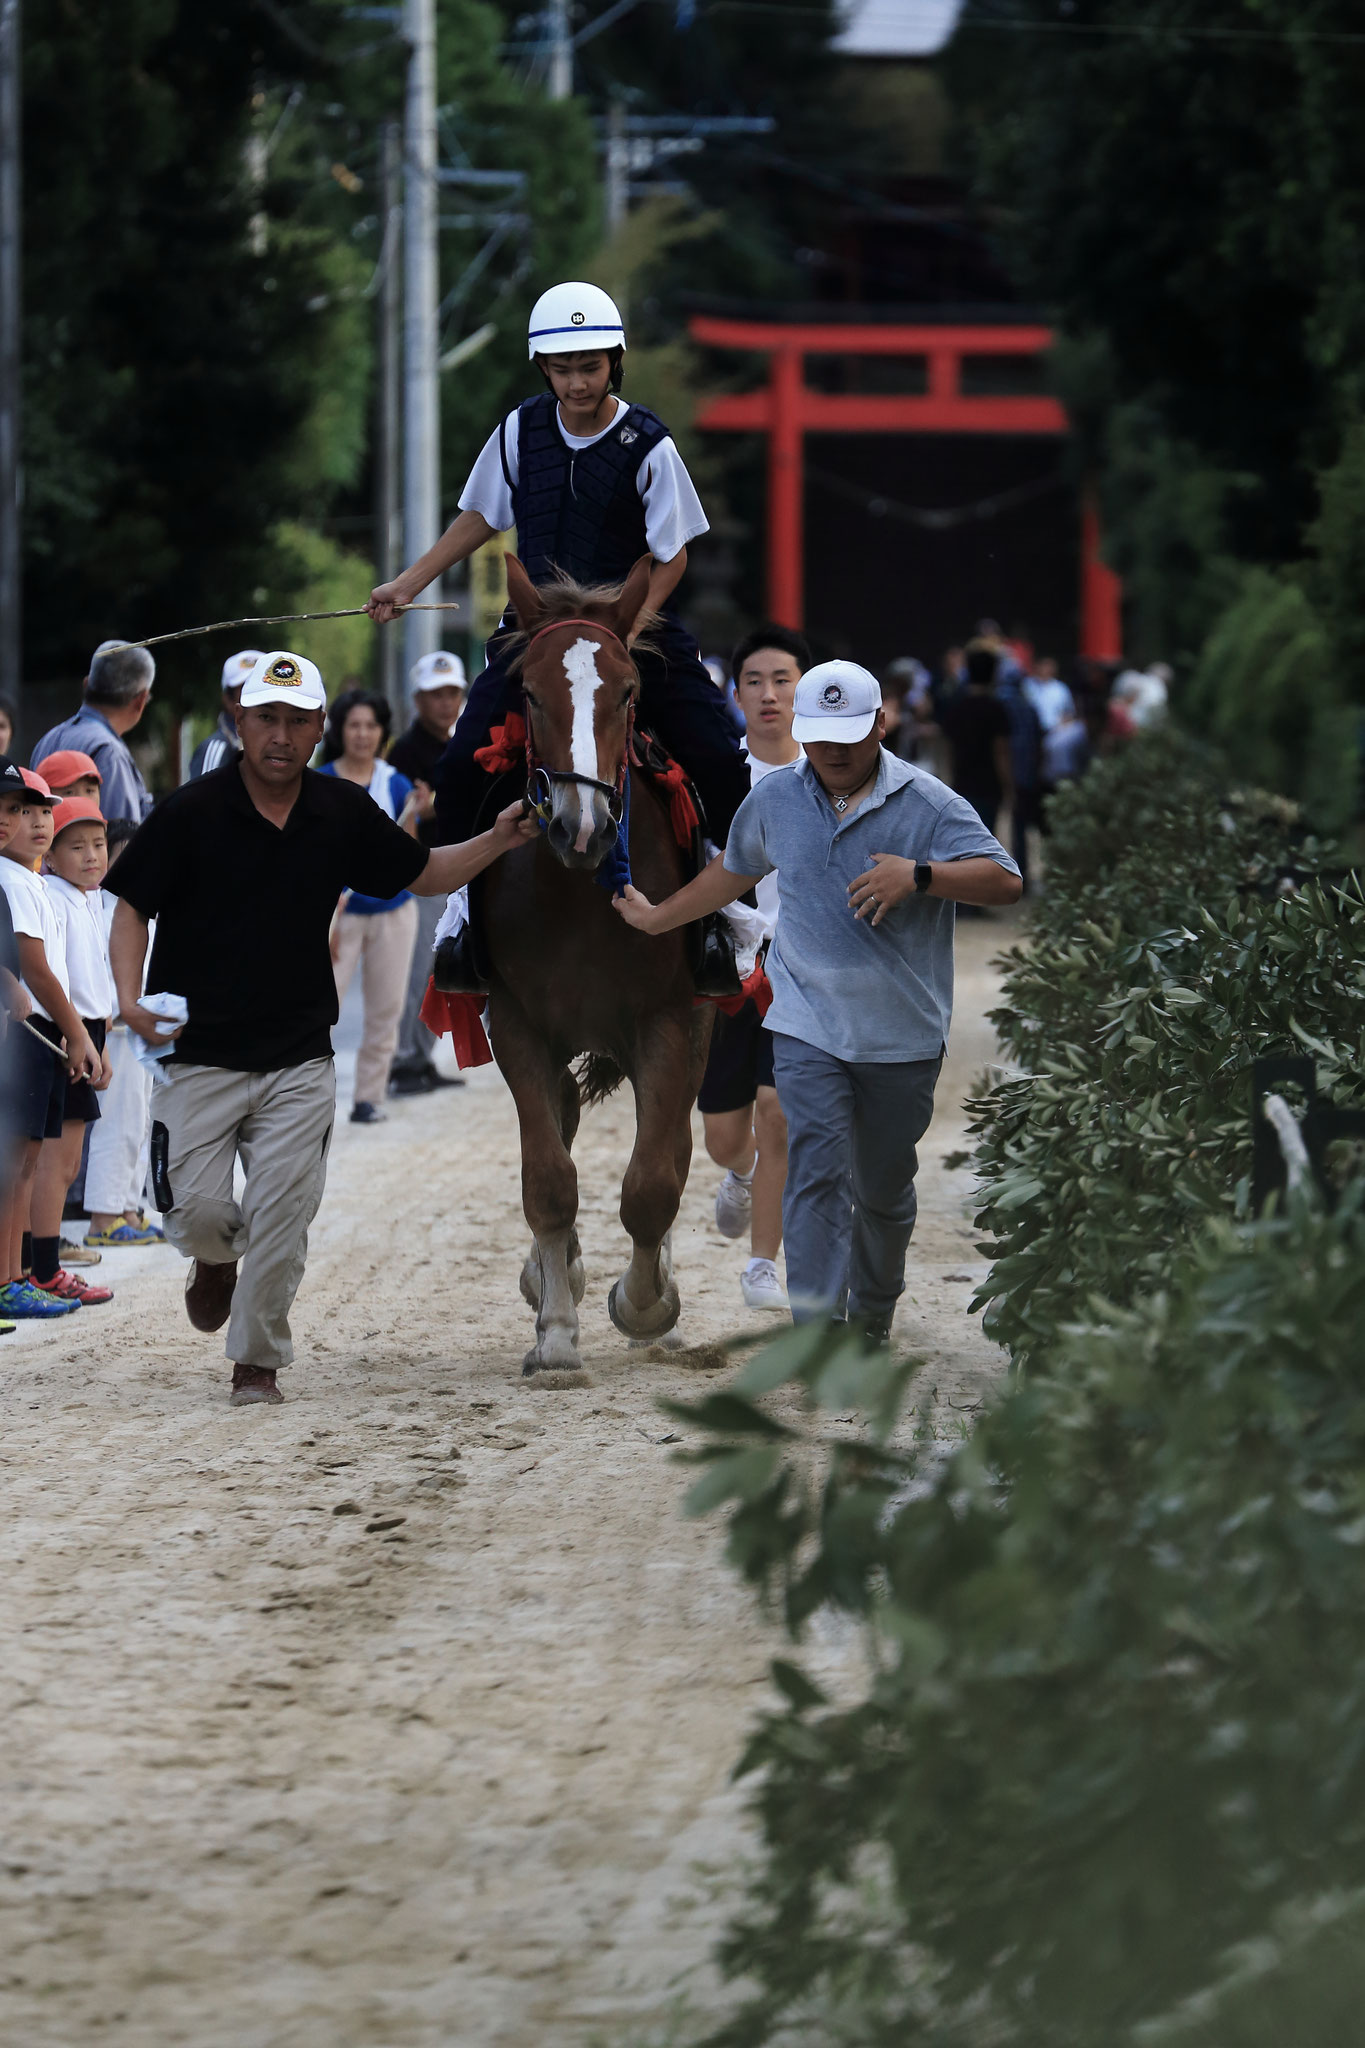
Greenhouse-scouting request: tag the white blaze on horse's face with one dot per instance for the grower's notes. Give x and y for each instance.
(580, 666)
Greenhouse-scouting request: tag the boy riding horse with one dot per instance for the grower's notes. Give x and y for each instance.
(591, 484)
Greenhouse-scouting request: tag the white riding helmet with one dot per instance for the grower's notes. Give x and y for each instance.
(574, 317)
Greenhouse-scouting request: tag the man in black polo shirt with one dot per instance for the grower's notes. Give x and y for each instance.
(242, 872)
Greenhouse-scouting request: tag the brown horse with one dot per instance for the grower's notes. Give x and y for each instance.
(568, 977)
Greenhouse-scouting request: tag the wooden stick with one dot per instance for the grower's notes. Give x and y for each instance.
(284, 619)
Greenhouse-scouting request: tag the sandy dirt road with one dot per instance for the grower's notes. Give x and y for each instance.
(402, 1714)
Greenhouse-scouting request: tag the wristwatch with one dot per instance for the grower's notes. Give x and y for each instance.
(924, 875)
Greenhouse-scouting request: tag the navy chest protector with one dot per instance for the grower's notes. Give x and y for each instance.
(577, 509)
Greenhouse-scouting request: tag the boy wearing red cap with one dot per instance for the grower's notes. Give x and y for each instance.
(70, 773)
(76, 864)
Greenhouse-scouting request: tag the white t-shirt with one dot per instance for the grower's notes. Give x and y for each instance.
(673, 514)
(35, 917)
(765, 895)
(90, 984)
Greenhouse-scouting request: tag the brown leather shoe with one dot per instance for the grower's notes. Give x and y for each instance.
(208, 1294)
(251, 1384)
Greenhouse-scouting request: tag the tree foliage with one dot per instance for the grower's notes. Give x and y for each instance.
(1186, 188)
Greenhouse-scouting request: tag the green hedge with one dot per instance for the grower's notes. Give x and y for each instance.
(1116, 1723)
(1159, 965)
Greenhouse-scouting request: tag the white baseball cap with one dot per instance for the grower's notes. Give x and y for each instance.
(836, 701)
(238, 667)
(439, 671)
(284, 678)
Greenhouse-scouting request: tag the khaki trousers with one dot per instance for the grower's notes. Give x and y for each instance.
(380, 943)
(279, 1124)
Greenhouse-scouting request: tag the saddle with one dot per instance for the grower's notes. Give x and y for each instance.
(461, 962)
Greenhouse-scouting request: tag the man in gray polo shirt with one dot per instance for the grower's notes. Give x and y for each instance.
(871, 853)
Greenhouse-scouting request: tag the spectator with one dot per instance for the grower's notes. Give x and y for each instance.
(76, 863)
(1144, 694)
(26, 807)
(222, 744)
(6, 727)
(374, 933)
(116, 1170)
(1048, 694)
(118, 690)
(1026, 766)
(69, 774)
(437, 682)
(977, 727)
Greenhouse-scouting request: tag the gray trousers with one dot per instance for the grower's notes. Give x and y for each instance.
(279, 1124)
(416, 1045)
(849, 1204)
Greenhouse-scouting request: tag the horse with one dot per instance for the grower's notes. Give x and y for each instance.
(569, 980)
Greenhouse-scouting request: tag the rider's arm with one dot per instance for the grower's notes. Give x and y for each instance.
(711, 890)
(449, 867)
(466, 532)
(664, 578)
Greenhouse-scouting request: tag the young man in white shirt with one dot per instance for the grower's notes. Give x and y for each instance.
(591, 484)
(745, 1129)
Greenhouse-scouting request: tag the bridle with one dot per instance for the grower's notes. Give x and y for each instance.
(541, 779)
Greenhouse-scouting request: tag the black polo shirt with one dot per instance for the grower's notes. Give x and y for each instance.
(243, 909)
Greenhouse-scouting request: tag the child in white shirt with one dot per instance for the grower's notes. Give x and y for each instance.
(26, 805)
(76, 864)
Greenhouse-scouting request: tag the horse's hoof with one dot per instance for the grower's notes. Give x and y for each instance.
(554, 1352)
(648, 1322)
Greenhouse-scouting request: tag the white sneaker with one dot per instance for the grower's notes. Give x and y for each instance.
(734, 1200)
(760, 1285)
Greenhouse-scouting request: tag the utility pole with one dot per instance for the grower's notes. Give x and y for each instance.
(421, 281)
(11, 478)
(560, 79)
(618, 167)
(388, 436)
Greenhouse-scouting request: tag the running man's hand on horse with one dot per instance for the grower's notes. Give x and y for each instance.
(711, 890)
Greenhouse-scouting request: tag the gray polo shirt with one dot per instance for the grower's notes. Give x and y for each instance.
(857, 991)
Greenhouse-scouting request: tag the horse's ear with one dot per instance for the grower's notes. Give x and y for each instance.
(634, 591)
(524, 598)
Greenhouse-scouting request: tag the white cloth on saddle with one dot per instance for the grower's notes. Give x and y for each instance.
(454, 917)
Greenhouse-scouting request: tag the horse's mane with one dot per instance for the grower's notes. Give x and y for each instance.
(566, 598)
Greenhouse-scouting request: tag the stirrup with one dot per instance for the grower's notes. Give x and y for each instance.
(715, 973)
(455, 971)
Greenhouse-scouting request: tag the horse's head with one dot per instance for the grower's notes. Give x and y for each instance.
(580, 686)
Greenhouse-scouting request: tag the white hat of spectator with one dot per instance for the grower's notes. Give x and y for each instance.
(836, 701)
(439, 671)
(238, 667)
(284, 678)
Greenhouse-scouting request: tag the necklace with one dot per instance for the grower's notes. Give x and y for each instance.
(841, 804)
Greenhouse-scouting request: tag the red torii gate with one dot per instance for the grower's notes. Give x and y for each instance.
(787, 409)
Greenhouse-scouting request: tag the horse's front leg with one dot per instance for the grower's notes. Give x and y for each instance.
(552, 1281)
(644, 1301)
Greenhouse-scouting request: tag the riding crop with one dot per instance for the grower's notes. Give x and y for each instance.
(281, 619)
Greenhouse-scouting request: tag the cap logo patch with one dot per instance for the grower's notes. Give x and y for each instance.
(833, 698)
(284, 671)
(577, 319)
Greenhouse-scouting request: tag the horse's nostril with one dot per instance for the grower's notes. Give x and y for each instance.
(559, 835)
(610, 833)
